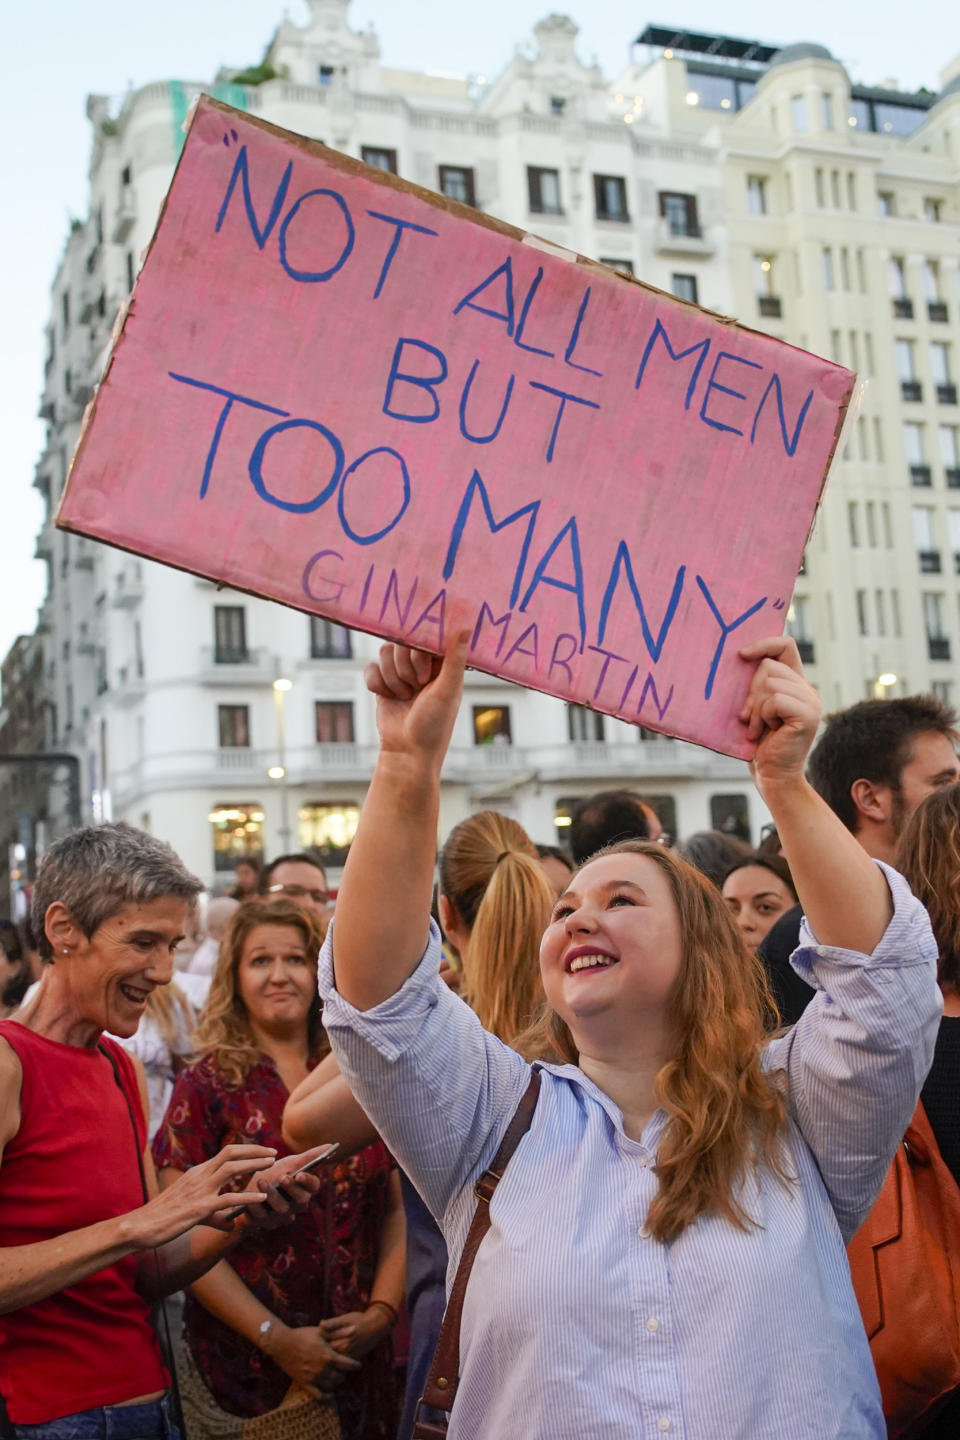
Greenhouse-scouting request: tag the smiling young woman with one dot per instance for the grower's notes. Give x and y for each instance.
(706, 1172)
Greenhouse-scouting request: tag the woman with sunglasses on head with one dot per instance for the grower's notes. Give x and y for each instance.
(666, 1245)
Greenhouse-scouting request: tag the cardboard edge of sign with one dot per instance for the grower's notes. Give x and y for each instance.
(204, 104)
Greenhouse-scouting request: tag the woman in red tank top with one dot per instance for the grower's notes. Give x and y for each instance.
(86, 1240)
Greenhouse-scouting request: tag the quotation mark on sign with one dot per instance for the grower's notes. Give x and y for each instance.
(779, 604)
(232, 138)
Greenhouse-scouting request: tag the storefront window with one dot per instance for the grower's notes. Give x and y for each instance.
(237, 834)
(328, 829)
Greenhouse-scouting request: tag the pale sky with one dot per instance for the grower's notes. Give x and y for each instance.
(61, 51)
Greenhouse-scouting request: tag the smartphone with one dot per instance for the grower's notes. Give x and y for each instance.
(328, 1153)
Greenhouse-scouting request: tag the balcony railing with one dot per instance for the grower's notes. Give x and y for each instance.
(921, 475)
(937, 310)
(682, 238)
(236, 667)
(903, 308)
(938, 647)
(947, 394)
(911, 390)
(770, 305)
(929, 561)
(807, 652)
(952, 476)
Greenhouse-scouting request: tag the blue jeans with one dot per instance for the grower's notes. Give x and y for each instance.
(153, 1421)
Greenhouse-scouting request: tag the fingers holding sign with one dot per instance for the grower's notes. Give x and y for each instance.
(418, 696)
(782, 710)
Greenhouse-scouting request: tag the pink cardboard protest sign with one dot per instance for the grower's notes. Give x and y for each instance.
(336, 390)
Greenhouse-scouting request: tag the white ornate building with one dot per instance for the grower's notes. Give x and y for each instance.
(755, 181)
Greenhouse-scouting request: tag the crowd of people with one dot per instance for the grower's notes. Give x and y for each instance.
(716, 1052)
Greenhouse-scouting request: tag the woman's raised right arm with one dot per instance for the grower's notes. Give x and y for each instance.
(383, 904)
(29, 1273)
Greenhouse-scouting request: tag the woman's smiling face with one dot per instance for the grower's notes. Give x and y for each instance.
(613, 943)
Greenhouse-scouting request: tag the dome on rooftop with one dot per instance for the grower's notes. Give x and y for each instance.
(805, 50)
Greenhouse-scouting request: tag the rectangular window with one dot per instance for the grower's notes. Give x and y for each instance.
(583, 723)
(835, 189)
(895, 613)
(334, 722)
(943, 689)
(913, 447)
(862, 622)
(65, 310)
(921, 517)
(230, 635)
(903, 354)
(829, 282)
(325, 74)
(868, 352)
(940, 363)
(887, 527)
(854, 350)
(853, 523)
(933, 210)
(131, 270)
(844, 267)
(328, 640)
(898, 277)
(680, 213)
(886, 205)
(949, 446)
(861, 272)
(327, 830)
(625, 265)
(610, 197)
(684, 287)
(798, 114)
(953, 530)
(457, 183)
(379, 158)
(491, 725)
(757, 194)
(233, 723)
(558, 105)
(819, 188)
(933, 615)
(851, 190)
(543, 187)
(826, 110)
(931, 280)
(835, 353)
(237, 834)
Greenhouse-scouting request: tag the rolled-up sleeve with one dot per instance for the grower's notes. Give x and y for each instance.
(440, 1089)
(857, 1057)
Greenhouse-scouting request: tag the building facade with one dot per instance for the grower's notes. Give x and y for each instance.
(755, 182)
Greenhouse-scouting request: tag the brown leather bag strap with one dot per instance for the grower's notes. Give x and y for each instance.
(444, 1374)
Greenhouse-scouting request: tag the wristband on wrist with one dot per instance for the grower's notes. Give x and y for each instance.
(394, 1317)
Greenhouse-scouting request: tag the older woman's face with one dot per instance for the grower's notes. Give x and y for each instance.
(277, 978)
(125, 959)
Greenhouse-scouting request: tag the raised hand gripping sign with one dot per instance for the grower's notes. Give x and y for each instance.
(336, 390)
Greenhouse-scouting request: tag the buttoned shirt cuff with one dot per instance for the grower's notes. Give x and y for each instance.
(390, 1027)
(907, 940)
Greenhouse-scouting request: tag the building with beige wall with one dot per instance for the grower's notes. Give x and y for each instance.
(730, 173)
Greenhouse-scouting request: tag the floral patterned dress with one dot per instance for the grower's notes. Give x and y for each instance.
(287, 1269)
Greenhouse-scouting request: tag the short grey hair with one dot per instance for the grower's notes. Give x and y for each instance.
(99, 870)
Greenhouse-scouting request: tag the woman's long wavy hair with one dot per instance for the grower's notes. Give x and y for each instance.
(928, 856)
(224, 1031)
(725, 1113)
(489, 869)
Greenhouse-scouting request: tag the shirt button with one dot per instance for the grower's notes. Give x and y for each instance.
(644, 1161)
(643, 1232)
(653, 1325)
(663, 1423)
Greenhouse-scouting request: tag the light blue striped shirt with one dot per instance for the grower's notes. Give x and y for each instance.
(577, 1325)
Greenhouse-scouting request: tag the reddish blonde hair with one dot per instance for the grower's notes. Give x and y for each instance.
(725, 1113)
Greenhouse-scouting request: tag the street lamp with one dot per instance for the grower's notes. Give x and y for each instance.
(279, 771)
(882, 684)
